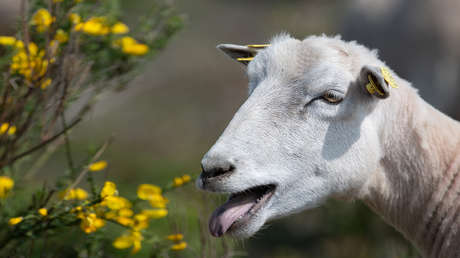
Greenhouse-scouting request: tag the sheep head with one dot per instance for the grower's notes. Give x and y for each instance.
(305, 133)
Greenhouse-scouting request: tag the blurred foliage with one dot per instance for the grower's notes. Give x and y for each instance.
(63, 56)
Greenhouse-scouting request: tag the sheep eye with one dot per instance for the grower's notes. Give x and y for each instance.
(332, 97)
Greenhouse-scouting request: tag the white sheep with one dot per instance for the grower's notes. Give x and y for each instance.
(323, 120)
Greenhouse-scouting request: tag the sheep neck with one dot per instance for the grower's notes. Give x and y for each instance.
(417, 188)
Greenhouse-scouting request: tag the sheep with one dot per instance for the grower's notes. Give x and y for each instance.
(326, 119)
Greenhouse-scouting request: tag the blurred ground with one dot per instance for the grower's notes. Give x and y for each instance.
(171, 115)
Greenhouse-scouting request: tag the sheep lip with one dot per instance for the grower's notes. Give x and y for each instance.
(239, 209)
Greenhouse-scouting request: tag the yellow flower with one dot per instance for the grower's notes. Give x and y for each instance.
(43, 212)
(119, 28)
(125, 212)
(148, 191)
(125, 221)
(15, 221)
(74, 18)
(79, 26)
(175, 237)
(133, 239)
(90, 222)
(80, 194)
(177, 181)
(7, 128)
(136, 49)
(61, 36)
(116, 202)
(186, 178)
(97, 166)
(131, 47)
(6, 184)
(123, 242)
(124, 41)
(155, 213)
(158, 201)
(179, 246)
(33, 49)
(7, 41)
(44, 84)
(109, 189)
(95, 26)
(141, 217)
(141, 221)
(42, 19)
(31, 65)
(19, 44)
(74, 194)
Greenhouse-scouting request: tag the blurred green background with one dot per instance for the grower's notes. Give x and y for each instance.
(171, 114)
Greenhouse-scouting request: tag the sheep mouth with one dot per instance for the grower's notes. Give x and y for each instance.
(239, 208)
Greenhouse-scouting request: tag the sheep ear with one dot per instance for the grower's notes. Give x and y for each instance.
(377, 81)
(242, 54)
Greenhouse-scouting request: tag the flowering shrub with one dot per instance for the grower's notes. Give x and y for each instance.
(62, 50)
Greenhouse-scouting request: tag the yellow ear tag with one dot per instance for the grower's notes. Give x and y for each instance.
(372, 88)
(388, 78)
(244, 59)
(258, 45)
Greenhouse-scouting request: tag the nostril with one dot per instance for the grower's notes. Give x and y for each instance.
(215, 172)
(216, 169)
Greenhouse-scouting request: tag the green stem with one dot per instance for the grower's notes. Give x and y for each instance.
(91, 183)
(68, 150)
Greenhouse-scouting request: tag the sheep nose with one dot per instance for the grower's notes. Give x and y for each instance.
(214, 166)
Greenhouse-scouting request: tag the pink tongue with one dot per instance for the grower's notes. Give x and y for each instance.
(222, 218)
